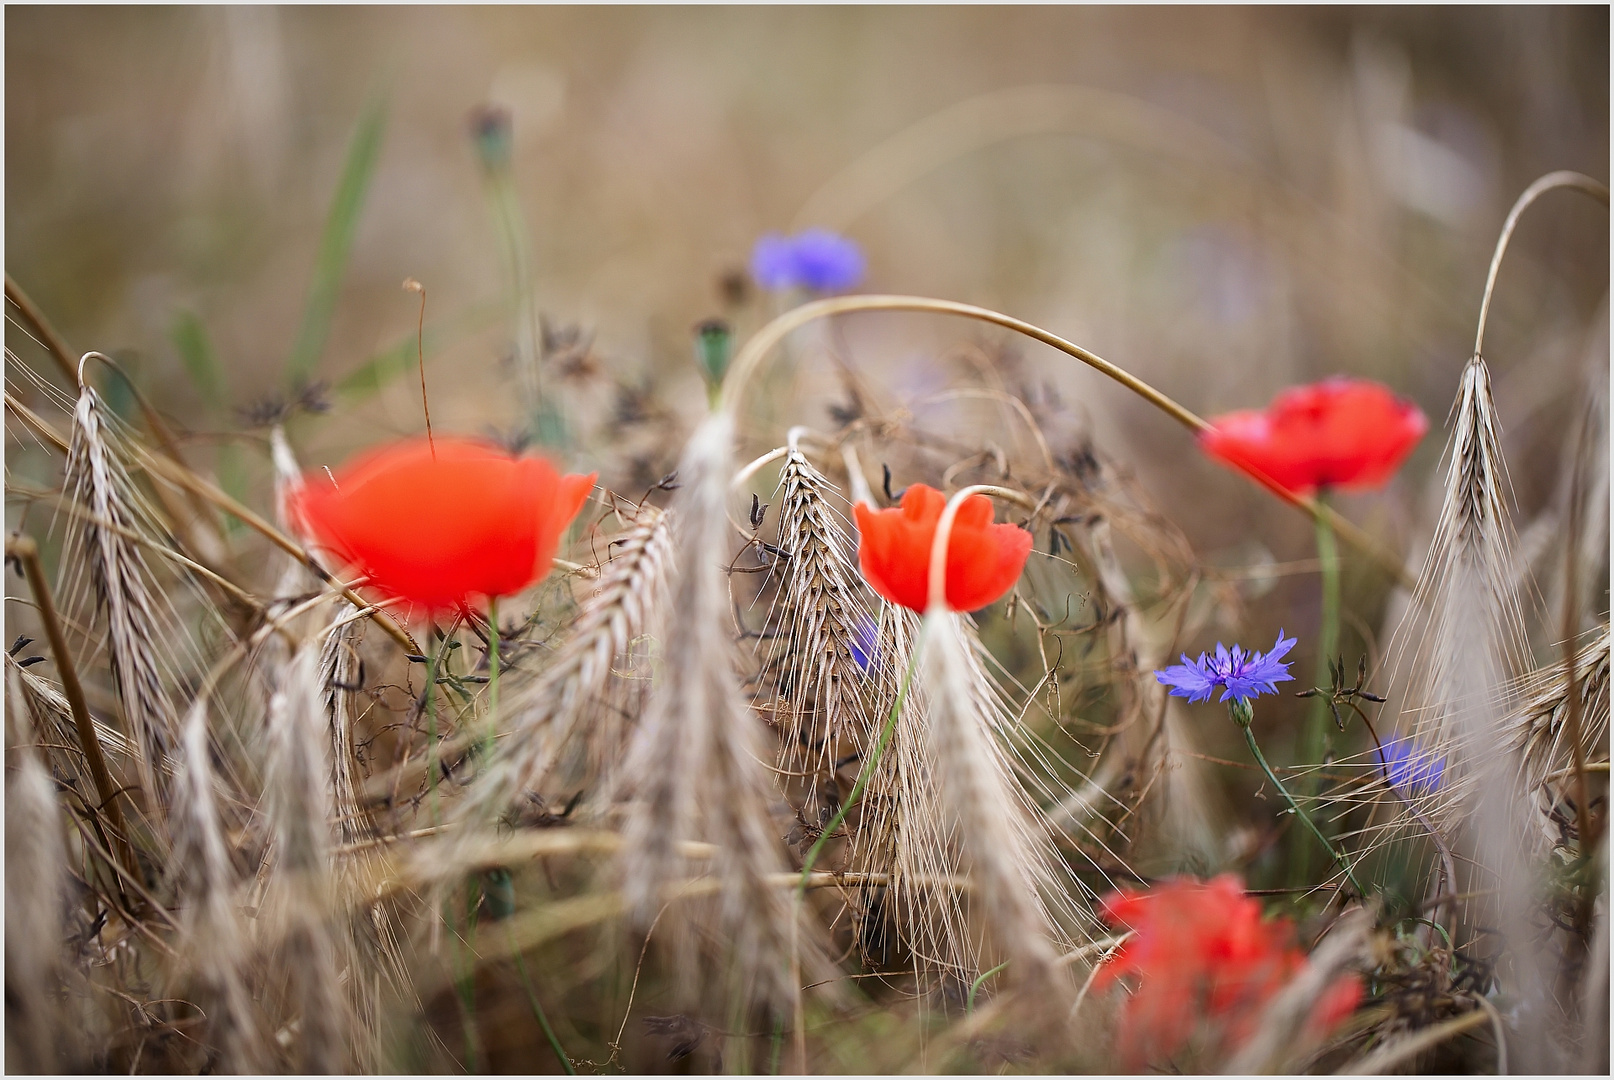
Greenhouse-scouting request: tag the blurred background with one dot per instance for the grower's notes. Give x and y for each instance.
(1223, 201)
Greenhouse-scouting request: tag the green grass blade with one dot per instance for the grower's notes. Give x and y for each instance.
(190, 340)
(336, 241)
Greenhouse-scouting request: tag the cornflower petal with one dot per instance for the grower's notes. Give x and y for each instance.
(816, 259)
(1413, 771)
(1241, 675)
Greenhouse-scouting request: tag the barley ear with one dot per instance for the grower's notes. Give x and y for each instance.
(980, 798)
(695, 769)
(296, 788)
(214, 930)
(122, 582)
(36, 880)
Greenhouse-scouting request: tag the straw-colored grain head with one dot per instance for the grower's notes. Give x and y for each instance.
(977, 790)
(215, 930)
(565, 731)
(301, 889)
(137, 611)
(982, 781)
(818, 639)
(695, 769)
(1455, 659)
(36, 896)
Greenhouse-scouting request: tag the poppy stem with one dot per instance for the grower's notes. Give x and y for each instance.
(537, 1009)
(869, 765)
(492, 727)
(433, 662)
(1317, 741)
(1242, 716)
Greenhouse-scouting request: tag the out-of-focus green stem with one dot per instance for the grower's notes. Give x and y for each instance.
(538, 1011)
(1242, 716)
(975, 987)
(870, 763)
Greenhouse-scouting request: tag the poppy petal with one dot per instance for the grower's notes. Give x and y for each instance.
(443, 523)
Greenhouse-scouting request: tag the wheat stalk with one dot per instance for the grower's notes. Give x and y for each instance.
(1537, 732)
(298, 798)
(977, 789)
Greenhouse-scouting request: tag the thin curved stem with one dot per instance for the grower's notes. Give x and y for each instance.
(1564, 178)
(1260, 759)
(975, 987)
(765, 340)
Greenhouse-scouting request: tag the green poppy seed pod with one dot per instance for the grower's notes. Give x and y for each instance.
(714, 346)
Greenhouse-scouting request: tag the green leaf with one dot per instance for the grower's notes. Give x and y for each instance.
(336, 241)
(196, 353)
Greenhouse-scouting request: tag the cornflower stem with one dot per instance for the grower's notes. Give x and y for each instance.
(491, 728)
(869, 765)
(1242, 716)
(1317, 739)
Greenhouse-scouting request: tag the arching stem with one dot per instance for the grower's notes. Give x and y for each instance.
(764, 341)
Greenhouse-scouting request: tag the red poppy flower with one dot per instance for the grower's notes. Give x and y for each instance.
(983, 560)
(441, 530)
(1337, 433)
(1204, 962)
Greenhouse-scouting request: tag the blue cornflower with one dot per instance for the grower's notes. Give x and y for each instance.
(1241, 675)
(866, 646)
(817, 260)
(1413, 770)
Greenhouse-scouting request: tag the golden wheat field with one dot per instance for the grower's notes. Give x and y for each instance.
(807, 540)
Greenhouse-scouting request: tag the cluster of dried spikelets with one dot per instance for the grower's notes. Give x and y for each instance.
(259, 825)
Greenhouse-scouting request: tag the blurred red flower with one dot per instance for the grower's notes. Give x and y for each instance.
(1203, 960)
(443, 530)
(1340, 432)
(983, 560)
